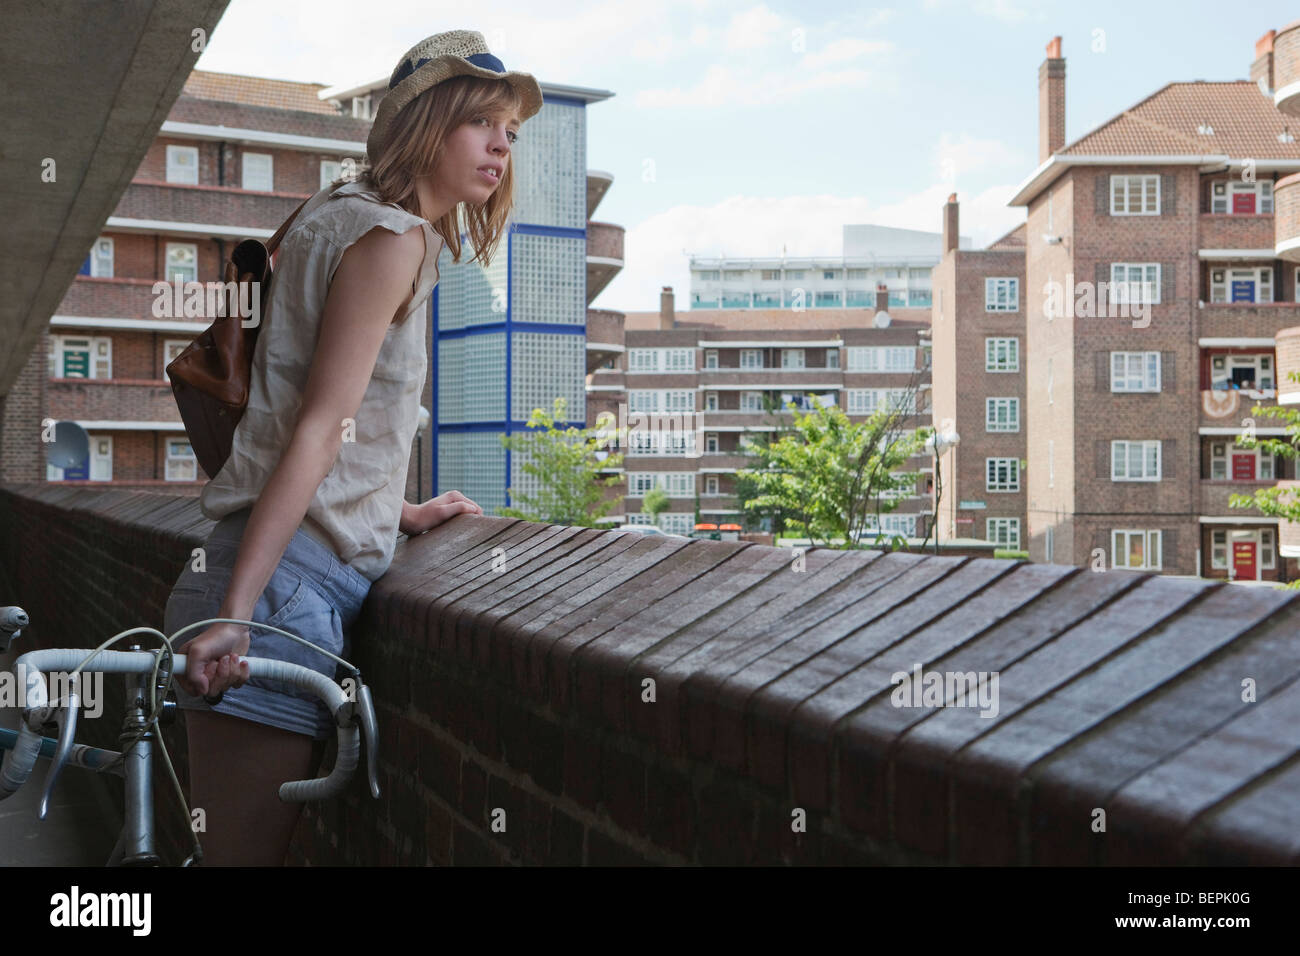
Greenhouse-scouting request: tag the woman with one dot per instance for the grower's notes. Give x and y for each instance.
(312, 496)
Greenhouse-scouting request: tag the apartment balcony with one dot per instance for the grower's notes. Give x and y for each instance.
(1250, 320)
(196, 209)
(731, 460)
(604, 256)
(1286, 218)
(1222, 231)
(109, 399)
(112, 298)
(1286, 69)
(604, 337)
(1216, 494)
(716, 503)
(764, 378)
(598, 183)
(1225, 408)
(1288, 532)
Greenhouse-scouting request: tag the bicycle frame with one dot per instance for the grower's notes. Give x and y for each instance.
(354, 715)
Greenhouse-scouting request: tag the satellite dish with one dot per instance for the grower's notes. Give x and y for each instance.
(71, 446)
(881, 319)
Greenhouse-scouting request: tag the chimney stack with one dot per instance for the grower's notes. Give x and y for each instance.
(950, 239)
(667, 310)
(882, 297)
(1051, 102)
(1261, 71)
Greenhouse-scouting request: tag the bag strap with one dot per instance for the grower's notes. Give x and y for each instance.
(274, 241)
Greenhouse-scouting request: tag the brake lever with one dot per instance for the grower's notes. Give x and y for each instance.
(67, 719)
(370, 732)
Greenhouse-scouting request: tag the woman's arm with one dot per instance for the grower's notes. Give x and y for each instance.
(373, 278)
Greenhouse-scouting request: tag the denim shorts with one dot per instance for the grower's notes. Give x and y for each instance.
(311, 594)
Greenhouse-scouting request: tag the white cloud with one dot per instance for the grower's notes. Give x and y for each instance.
(754, 28)
(846, 48)
(727, 86)
(956, 157)
(656, 251)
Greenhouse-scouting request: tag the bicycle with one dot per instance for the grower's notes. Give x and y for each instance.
(148, 705)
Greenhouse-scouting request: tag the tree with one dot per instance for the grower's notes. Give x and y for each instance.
(565, 463)
(835, 474)
(655, 503)
(1274, 502)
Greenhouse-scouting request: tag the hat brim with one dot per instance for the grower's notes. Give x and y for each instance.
(434, 72)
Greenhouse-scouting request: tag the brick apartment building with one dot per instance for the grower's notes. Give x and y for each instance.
(1131, 418)
(979, 386)
(235, 156)
(719, 362)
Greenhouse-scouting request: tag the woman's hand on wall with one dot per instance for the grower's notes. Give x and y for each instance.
(417, 519)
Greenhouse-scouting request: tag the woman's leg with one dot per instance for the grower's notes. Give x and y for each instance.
(236, 768)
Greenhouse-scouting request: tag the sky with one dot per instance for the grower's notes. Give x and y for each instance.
(747, 128)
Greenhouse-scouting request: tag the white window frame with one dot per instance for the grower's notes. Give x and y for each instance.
(1148, 200)
(751, 358)
(994, 483)
(252, 177)
(1002, 294)
(1223, 190)
(1221, 280)
(711, 485)
(1143, 449)
(361, 107)
(171, 349)
(711, 444)
(1135, 371)
(170, 274)
(330, 170)
(101, 458)
(183, 165)
(751, 401)
(710, 358)
(1002, 414)
(1152, 545)
(1222, 365)
(1267, 547)
(101, 258)
(1219, 539)
(833, 358)
(98, 349)
(1002, 354)
(792, 359)
(642, 360)
(1221, 455)
(180, 460)
(1004, 532)
(710, 401)
(1143, 290)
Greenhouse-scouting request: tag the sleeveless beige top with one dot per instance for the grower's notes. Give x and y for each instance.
(356, 510)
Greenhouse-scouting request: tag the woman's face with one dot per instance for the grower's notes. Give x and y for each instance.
(475, 157)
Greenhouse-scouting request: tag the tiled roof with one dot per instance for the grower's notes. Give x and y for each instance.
(771, 320)
(258, 91)
(1015, 239)
(1245, 124)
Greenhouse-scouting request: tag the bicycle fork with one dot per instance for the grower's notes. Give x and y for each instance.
(135, 844)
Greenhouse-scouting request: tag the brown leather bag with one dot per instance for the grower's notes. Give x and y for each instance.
(210, 379)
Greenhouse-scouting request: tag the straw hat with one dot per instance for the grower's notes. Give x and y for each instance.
(440, 57)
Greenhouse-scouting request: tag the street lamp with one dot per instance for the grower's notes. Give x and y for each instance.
(937, 444)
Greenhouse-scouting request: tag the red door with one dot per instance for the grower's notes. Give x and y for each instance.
(1243, 203)
(1243, 560)
(1243, 467)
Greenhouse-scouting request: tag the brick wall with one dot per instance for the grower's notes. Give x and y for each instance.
(518, 696)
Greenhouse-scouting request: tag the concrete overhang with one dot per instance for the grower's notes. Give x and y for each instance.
(87, 88)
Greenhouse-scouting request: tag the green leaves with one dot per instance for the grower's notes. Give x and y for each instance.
(564, 461)
(832, 475)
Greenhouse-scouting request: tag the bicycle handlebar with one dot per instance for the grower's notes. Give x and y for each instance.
(19, 762)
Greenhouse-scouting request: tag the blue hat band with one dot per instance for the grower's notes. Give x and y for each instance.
(485, 60)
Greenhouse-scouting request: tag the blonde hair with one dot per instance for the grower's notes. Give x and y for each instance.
(414, 146)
